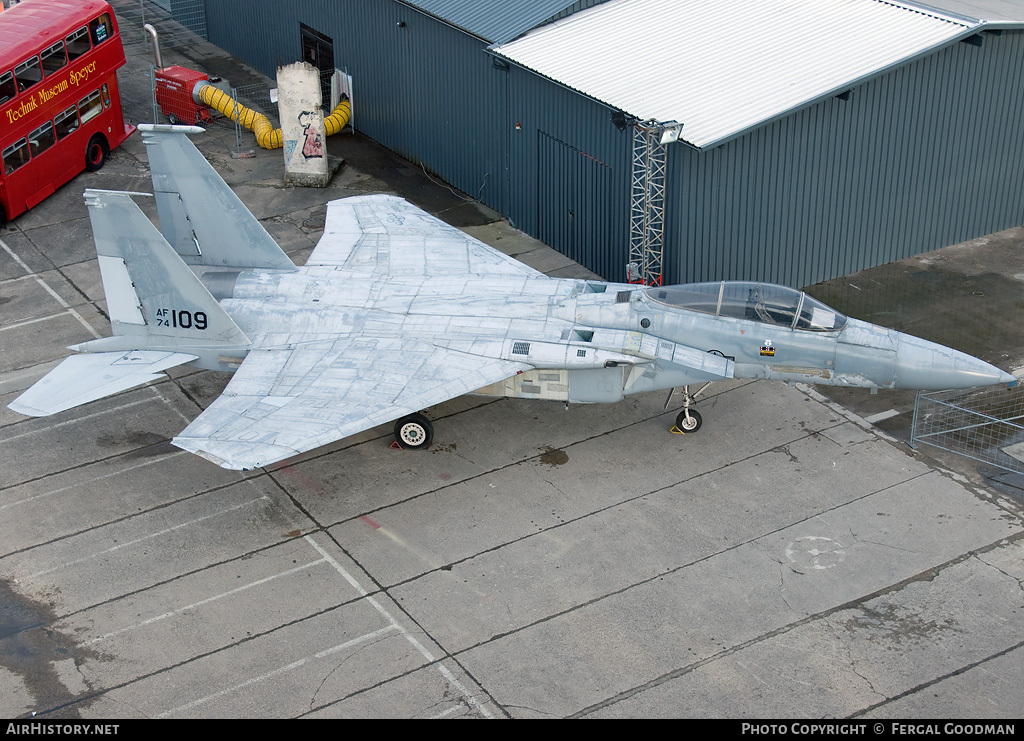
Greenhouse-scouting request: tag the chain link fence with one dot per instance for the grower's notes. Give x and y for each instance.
(986, 425)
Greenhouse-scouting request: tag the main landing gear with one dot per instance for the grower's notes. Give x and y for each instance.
(688, 420)
(414, 432)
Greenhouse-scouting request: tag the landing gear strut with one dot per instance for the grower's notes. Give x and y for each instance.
(688, 420)
(414, 432)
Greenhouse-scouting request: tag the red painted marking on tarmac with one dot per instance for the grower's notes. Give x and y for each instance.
(369, 522)
(311, 483)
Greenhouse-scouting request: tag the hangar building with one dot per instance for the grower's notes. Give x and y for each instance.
(818, 137)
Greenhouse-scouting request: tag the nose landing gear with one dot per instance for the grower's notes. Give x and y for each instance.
(688, 420)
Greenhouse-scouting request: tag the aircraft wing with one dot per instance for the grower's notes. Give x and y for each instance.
(387, 235)
(283, 402)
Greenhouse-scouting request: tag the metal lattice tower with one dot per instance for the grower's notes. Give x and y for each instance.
(647, 204)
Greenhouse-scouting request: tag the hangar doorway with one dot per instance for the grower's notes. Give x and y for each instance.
(573, 191)
(318, 50)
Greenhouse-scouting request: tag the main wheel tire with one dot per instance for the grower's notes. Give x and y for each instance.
(96, 153)
(689, 423)
(414, 432)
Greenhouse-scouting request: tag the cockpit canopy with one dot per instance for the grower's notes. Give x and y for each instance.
(758, 302)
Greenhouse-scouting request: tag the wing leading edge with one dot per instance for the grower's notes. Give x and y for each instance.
(387, 235)
(284, 402)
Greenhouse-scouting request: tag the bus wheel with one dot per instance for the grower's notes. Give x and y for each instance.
(96, 153)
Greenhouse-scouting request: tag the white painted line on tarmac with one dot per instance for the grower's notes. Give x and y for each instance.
(405, 633)
(33, 321)
(45, 287)
(392, 625)
(202, 602)
(19, 278)
(876, 418)
(75, 485)
(144, 538)
(813, 393)
(165, 400)
(18, 380)
(278, 671)
(76, 420)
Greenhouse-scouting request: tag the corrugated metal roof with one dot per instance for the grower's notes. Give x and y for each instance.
(723, 67)
(994, 12)
(496, 21)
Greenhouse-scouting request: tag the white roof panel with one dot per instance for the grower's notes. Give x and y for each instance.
(994, 12)
(722, 67)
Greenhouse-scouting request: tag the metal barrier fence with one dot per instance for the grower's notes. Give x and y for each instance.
(986, 425)
(179, 23)
(257, 98)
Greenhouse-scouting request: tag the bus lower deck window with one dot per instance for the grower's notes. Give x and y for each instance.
(15, 156)
(90, 106)
(41, 139)
(66, 122)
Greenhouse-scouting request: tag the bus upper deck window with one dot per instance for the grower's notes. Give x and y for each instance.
(101, 28)
(7, 87)
(28, 73)
(53, 58)
(15, 156)
(78, 43)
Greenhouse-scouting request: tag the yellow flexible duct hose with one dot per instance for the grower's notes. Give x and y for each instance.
(266, 136)
(338, 118)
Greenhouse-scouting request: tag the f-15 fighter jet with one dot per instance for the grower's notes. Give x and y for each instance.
(395, 311)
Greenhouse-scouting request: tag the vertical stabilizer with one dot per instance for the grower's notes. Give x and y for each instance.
(200, 216)
(150, 291)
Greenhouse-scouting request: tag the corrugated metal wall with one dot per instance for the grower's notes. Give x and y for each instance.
(431, 93)
(928, 155)
(422, 88)
(568, 165)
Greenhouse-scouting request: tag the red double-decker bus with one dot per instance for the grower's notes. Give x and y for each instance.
(60, 112)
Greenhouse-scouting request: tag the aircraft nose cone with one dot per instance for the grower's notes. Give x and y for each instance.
(928, 366)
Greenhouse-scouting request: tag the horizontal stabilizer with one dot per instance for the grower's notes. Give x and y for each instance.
(84, 378)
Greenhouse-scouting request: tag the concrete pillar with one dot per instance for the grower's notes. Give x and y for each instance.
(302, 126)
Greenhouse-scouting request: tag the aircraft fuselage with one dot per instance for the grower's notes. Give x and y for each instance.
(591, 341)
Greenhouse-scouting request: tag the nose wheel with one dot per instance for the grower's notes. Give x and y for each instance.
(688, 420)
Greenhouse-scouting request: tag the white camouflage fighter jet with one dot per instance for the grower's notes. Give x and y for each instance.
(396, 311)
